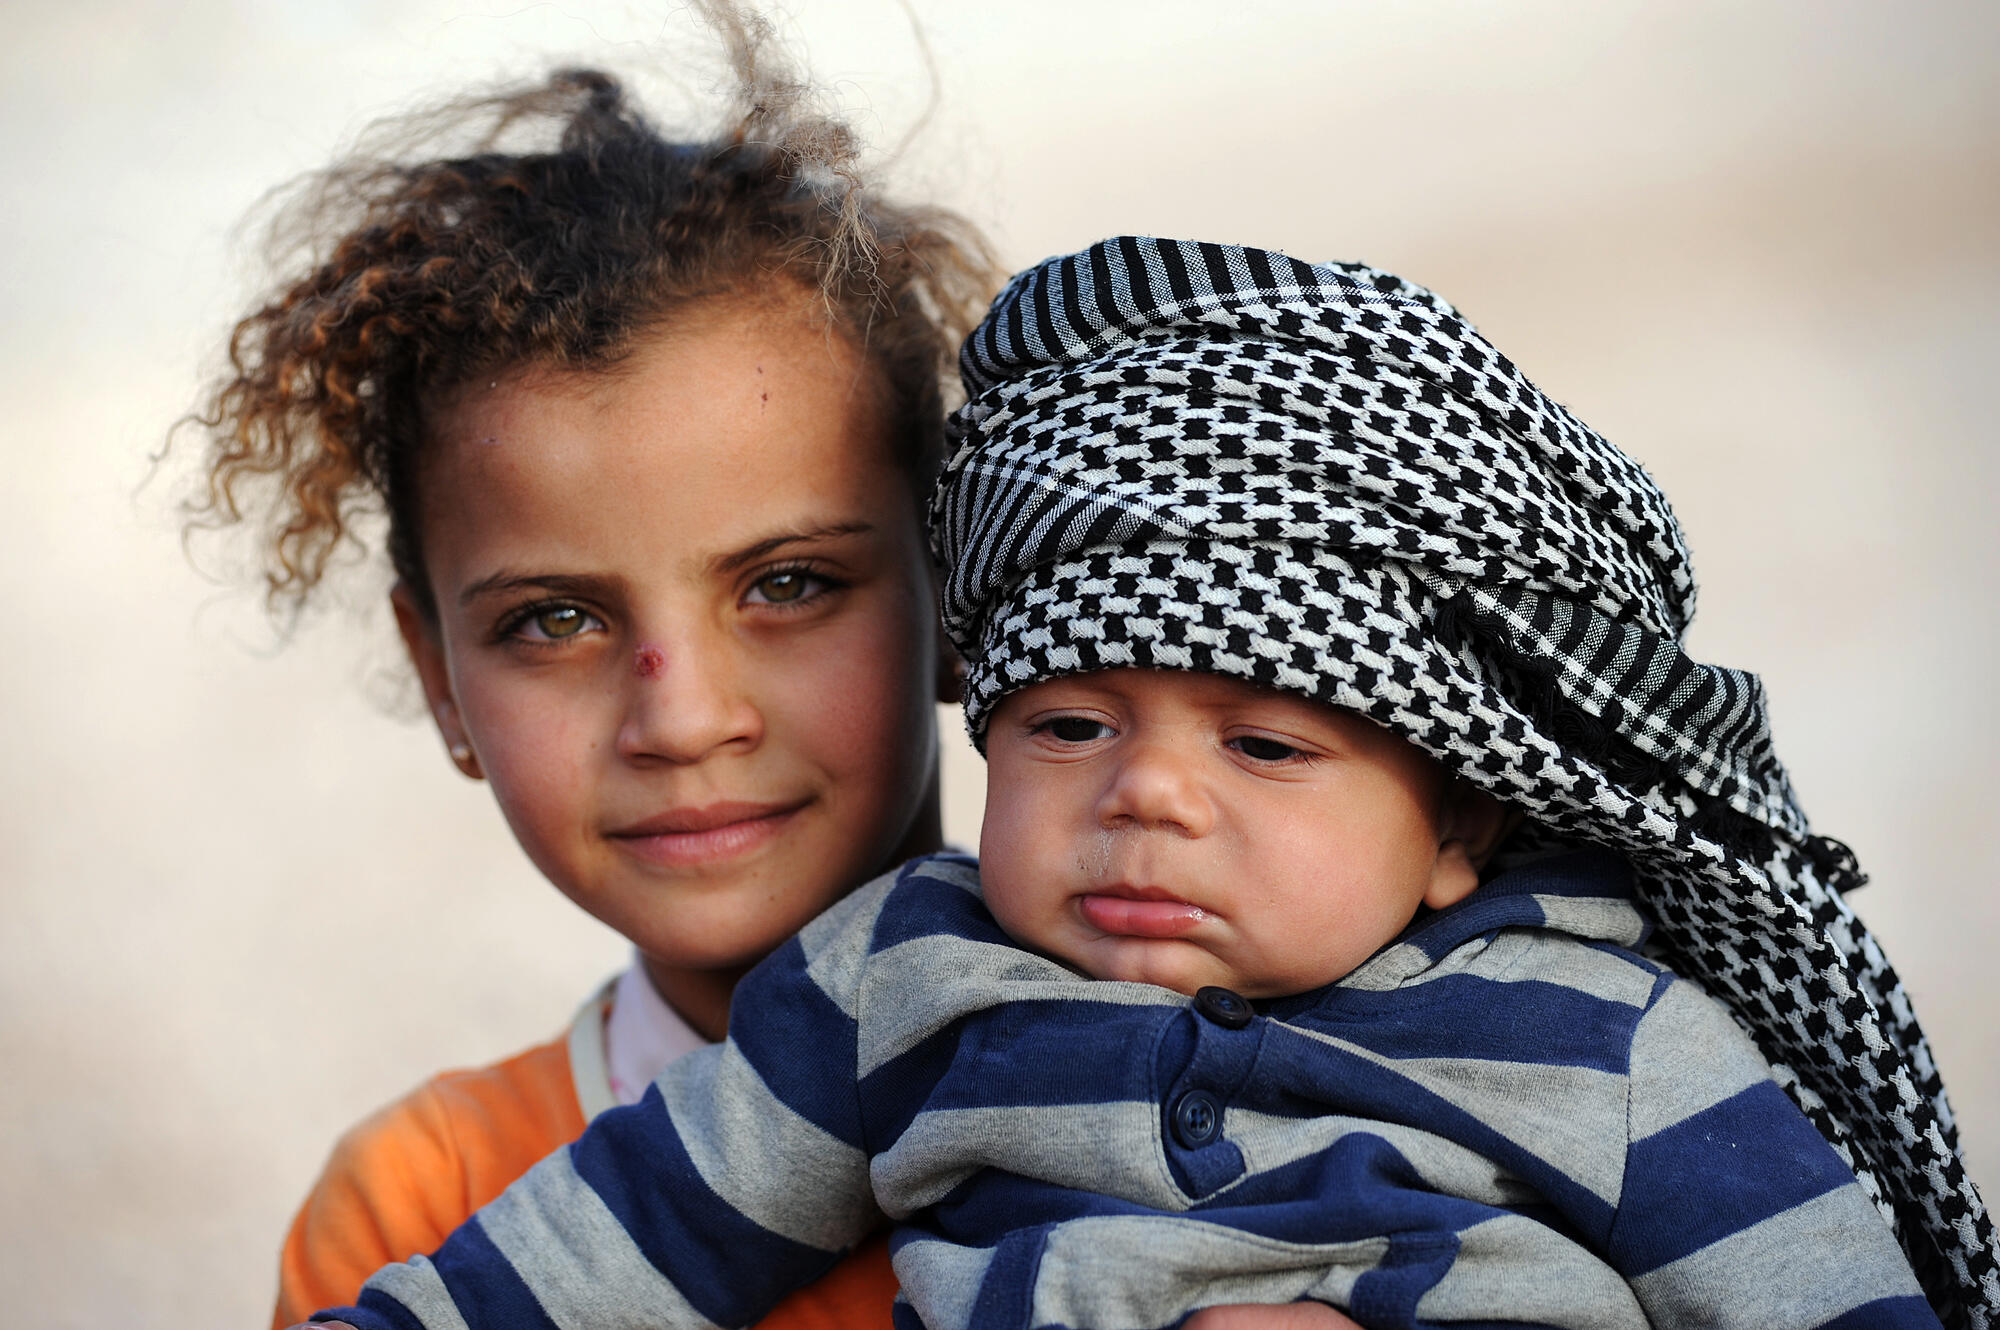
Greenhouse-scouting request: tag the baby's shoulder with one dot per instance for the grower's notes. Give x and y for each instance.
(921, 926)
(1668, 1026)
(1517, 967)
(933, 891)
(1603, 970)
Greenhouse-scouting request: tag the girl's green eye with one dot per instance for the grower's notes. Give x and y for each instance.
(561, 621)
(783, 588)
(540, 625)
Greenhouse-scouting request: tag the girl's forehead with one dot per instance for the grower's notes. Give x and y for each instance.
(717, 435)
(723, 361)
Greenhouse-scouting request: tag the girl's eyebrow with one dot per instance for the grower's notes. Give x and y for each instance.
(729, 563)
(507, 579)
(579, 584)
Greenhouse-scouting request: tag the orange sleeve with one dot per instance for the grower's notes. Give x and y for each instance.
(856, 1293)
(400, 1181)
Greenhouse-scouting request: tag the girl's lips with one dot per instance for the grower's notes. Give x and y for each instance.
(689, 837)
(1156, 916)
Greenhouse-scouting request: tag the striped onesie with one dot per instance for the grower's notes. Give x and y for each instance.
(1504, 1116)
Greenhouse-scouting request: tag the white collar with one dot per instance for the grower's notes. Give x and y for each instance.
(622, 1039)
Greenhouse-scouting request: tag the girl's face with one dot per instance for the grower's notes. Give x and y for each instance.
(684, 627)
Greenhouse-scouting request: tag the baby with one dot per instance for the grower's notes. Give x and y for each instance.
(1329, 681)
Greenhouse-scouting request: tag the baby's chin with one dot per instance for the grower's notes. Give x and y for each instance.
(1185, 967)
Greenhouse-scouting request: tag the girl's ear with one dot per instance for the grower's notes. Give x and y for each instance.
(426, 648)
(1474, 825)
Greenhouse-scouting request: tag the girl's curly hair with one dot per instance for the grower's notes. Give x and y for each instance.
(414, 275)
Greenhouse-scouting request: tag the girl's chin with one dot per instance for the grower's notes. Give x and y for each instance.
(719, 927)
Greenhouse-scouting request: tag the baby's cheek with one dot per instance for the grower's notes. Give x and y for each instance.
(1006, 846)
(1026, 883)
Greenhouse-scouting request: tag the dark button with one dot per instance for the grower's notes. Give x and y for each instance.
(1197, 1119)
(1229, 1010)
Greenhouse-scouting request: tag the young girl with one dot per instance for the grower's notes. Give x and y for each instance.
(650, 423)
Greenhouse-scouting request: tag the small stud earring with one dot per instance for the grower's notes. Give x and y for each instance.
(461, 752)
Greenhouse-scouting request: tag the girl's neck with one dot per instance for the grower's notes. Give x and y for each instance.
(700, 996)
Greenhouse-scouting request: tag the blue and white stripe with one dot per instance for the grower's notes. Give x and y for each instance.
(1508, 1114)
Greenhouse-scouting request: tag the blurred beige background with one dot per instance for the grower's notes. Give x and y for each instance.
(1752, 242)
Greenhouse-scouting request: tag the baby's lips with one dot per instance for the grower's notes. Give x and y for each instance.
(1125, 917)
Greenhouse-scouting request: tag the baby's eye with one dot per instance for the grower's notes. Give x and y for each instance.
(1260, 749)
(787, 587)
(554, 623)
(1075, 729)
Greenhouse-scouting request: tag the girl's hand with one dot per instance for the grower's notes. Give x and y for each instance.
(1286, 1316)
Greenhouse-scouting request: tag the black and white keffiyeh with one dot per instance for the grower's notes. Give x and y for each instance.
(1321, 479)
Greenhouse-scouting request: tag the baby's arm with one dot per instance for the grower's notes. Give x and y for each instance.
(738, 1178)
(1735, 1211)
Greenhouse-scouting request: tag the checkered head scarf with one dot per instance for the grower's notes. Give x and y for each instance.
(1321, 479)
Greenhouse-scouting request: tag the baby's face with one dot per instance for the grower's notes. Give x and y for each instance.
(1187, 829)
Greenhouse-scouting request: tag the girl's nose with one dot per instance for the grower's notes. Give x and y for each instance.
(1156, 786)
(686, 699)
